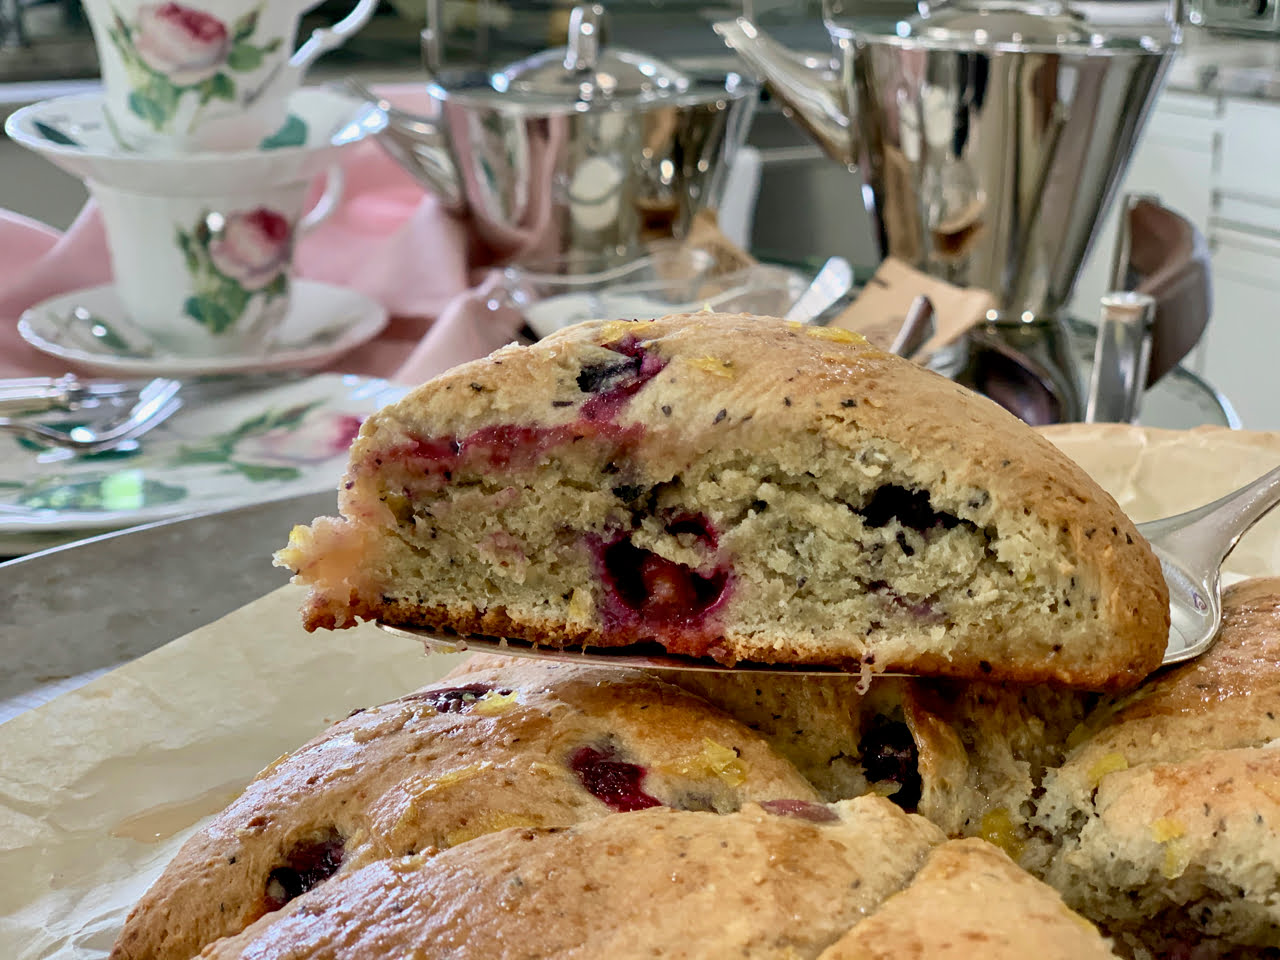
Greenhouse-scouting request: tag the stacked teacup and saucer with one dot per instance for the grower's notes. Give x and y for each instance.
(203, 152)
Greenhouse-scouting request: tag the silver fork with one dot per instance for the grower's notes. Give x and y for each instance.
(156, 403)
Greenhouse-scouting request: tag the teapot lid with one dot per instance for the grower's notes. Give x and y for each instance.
(587, 71)
(1023, 25)
(1002, 21)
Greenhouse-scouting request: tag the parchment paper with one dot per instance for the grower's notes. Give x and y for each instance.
(157, 745)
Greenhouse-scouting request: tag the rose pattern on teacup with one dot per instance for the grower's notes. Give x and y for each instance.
(172, 50)
(234, 259)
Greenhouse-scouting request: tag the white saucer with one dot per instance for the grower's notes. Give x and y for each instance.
(324, 322)
(73, 133)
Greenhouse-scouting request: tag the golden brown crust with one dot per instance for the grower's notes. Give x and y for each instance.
(1225, 698)
(657, 883)
(1165, 811)
(969, 900)
(438, 768)
(766, 388)
(555, 635)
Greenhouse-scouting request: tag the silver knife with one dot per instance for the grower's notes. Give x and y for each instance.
(68, 392)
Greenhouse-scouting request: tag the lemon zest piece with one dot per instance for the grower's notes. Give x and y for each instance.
(421, 786)
(724, 762)
(714, 365)
(998, 828)
(1106, 764)
(617, 329)
(835, 334)
(1176, 860)
(494, 703)
(581, 604)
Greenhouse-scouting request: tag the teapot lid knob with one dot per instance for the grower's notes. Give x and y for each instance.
(587, 71)
(586, 37)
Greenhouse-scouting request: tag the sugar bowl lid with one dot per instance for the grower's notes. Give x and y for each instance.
(586, 71)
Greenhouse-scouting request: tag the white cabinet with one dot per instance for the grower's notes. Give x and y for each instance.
(1250, 138)
(1213, 160)
(1243, 340)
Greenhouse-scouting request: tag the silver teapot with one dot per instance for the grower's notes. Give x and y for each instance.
(580, 154)
(991, 136)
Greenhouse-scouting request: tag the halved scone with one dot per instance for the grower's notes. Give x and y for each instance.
(738, 488)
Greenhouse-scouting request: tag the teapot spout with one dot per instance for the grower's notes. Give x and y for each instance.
(810, 90)
(419, 145)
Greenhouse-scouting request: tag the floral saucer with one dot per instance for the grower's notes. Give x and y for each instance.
(74, 133)
(285, 441)
(90, 328)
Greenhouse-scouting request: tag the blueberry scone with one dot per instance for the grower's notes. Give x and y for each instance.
(969, 900)
(528, 745)
(737, 488)
(1166, 813)
(969, 755)
(777, 881)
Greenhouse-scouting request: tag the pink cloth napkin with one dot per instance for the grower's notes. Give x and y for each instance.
(388, 238)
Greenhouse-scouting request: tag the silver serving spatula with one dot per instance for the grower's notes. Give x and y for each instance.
(1191, 547)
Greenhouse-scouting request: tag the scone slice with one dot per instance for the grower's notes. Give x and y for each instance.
(970, 900)
(1176, 855)
(737, 488)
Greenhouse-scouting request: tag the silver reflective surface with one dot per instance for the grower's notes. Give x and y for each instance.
(1191, 547)
(590, 186)
(991, 170)
(986, 163)
(1121, 358)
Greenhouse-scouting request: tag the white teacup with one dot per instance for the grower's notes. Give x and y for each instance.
(198, 75)
(207, 276)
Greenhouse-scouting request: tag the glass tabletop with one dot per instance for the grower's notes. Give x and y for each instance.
(1179, 400)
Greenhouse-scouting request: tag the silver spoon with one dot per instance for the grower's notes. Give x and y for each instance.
(832, 282)
(1190, 546)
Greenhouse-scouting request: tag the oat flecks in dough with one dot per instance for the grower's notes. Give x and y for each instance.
(827, 503)
(496, 745)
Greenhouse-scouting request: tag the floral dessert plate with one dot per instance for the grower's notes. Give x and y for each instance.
(91, 329)
(280, 442)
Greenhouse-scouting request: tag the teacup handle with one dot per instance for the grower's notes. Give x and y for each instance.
(335, 180)
(325, 39)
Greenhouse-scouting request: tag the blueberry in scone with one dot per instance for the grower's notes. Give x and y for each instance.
(511, 744)
(738, 488)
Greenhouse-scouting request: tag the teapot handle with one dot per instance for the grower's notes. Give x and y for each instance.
(419, 145)
(325, 39)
